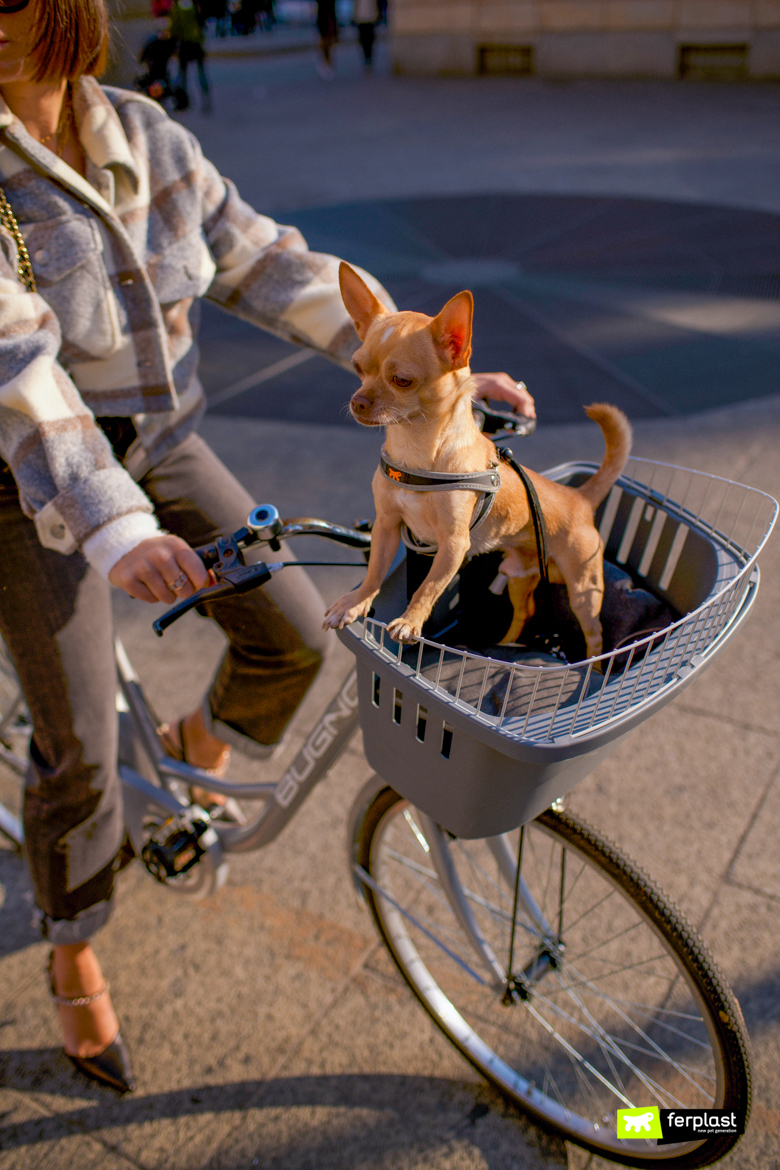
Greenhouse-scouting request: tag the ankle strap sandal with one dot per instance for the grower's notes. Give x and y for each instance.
(111, 1066)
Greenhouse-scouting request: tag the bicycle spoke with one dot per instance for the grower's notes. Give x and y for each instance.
(655, 1049)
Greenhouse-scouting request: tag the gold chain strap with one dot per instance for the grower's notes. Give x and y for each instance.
(23, 265)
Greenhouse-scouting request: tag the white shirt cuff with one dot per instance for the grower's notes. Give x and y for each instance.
(111, 542)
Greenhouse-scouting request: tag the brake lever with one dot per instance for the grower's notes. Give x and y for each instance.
(239, 578)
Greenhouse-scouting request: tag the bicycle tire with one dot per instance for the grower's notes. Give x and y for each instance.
(430, 949)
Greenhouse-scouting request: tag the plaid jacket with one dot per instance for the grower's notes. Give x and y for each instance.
(120, 259)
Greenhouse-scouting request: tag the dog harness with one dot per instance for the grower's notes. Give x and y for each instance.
(486, 483)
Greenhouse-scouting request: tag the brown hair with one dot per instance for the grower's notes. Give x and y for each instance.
(71, 39)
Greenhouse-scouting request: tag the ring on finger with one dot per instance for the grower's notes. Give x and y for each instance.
(179, 583)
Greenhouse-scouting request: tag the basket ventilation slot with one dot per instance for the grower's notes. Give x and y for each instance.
(398, 702)
(422, 719)
(446, 741)
(375, 690)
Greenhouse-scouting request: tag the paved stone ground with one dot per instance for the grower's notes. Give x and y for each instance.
(266, 1025)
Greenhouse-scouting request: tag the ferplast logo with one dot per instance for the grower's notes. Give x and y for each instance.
(643, 1122)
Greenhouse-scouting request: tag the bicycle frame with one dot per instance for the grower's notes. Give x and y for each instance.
(324, 744)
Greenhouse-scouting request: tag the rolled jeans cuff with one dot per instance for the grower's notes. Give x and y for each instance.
(64, 931)
(249, 747)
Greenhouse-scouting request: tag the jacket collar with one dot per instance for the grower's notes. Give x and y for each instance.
(100, 132)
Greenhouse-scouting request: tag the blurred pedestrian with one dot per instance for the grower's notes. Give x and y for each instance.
(217, 11)
(328, 28)
(266, 15)
(246, 17)
(187, 29)
(156, 57)
(365, 16)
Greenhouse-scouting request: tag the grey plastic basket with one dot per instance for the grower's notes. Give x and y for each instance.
(482, 744)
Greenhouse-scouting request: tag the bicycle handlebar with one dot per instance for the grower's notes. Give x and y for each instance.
(226, 562)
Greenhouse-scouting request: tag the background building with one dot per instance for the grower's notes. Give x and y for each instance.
(704, 39)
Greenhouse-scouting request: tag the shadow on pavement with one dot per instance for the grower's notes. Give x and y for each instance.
(388, 1097)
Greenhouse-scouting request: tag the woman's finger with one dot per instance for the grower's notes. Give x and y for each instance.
(193, 566)
(177, 580)
(150, 576)
(139, 591)
(502, 387)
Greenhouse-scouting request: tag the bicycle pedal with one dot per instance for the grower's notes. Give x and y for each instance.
(177, 845)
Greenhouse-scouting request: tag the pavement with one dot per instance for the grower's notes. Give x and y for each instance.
(266, 1024)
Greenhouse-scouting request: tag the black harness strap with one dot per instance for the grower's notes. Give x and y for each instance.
(536, 511)
(551, 642)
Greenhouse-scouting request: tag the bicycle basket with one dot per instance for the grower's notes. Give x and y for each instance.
(482, 743)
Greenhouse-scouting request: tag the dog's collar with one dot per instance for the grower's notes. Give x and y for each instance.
(441, 481)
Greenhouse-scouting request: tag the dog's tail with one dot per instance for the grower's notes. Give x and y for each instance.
(618, 437)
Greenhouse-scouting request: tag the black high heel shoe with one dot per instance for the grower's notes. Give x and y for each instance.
(111, 1066)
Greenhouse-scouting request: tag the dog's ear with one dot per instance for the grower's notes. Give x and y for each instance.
(361, 304)
(451, 330)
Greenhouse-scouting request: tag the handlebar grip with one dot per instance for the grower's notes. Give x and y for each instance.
(492, 422)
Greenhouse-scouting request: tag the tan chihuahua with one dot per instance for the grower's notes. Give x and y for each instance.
(416, 383)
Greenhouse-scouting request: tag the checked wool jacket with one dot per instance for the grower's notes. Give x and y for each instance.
(120, 259)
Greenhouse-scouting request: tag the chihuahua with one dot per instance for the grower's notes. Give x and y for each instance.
(416, 383)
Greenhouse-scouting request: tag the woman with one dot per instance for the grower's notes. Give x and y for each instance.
(126, 225)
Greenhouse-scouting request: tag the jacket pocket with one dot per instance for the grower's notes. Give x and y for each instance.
(67, 259)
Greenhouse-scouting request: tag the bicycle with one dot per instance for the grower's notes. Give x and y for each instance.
(551, 961)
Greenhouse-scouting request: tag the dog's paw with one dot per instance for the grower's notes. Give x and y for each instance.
(345, 611)
(403, 630)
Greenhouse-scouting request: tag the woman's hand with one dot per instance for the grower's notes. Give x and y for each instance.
(505, 389)
(162, 568)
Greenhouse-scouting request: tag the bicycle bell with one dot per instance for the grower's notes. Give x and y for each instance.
(264, 521)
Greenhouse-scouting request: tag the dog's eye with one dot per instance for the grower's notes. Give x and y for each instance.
(358, 369)
(402, 382)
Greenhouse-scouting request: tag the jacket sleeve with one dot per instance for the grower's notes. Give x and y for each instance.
(68, 480)
(267, 275)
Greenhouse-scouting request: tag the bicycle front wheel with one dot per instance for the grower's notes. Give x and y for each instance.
(615, 1002)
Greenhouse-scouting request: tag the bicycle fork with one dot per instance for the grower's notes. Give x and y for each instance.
(436, 844)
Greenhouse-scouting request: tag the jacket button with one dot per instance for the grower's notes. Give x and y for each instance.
(41, 255)
(57, 531)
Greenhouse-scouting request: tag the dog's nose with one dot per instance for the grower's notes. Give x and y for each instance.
(359, 404)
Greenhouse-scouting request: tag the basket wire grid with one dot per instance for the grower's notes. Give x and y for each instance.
(664, 504)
